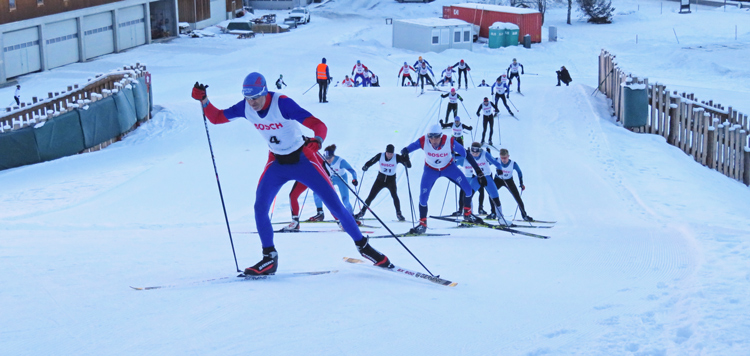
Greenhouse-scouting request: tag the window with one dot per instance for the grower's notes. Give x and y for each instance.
(39, 2)
(12, 4)
(467, 36)
(435, 37)
(457, 37)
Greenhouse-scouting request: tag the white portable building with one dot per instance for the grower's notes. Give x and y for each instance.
(432, 34)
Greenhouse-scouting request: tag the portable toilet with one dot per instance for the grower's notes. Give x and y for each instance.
(497, 35)
(511, 34)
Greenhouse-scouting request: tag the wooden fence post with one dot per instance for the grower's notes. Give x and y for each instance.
(674, 119)
(745, 160)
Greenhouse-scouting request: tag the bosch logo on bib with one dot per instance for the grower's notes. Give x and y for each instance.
(274, 126)
(437, 155)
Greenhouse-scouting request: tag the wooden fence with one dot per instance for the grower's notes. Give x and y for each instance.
(39, 109)
(714, 135)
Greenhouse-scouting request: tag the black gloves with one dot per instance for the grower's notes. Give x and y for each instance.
(354, 182)
(364, 168)
(482, 180)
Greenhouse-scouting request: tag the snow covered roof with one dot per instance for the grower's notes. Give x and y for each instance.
(436, 22)
(504, 25)
(498, 8)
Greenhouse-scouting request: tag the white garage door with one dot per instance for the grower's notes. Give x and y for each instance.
(62, 43)
(21, 51)
(98, 34)
(132, 27)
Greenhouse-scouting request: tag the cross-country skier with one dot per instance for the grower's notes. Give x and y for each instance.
(360, 69)
(280, 81)
(292, 157)
(367, 82)
(447, 76)
(347, 82)
(323, 77)
(419, 62)
(483, 160)
(463, 67)
(424, 74)
(386, 179)
(512, 72)
(339, 166)
(483, 84)
(453, 99)
(374, 80)
(406, 70)
(488, 110)
(439, 150)
(458, 129)
(504, 178)
(501, 90)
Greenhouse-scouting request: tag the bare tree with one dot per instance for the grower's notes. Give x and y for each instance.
(570, 6)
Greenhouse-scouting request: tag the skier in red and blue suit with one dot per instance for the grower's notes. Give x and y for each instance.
(439, 150)
(291, 157)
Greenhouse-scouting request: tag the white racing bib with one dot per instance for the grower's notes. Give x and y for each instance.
(387, 167)
(437, 158)
(282, 135)
(507, 171)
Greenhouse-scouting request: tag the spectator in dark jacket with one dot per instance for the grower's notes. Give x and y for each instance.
(564, 76)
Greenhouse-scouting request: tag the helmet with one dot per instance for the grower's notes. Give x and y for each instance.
(420, 58)
(462, 61)
(453, 90)
(435, 131)
(254, 86)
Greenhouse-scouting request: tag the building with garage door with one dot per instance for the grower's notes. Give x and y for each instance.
(36, 35)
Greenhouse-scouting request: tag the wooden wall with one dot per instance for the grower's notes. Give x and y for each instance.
(29, 9)
(190, 9)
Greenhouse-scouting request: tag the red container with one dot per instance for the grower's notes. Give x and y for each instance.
(528, 21)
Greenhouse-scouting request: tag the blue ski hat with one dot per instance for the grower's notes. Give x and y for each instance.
(254, 86)
(405, 64)
(358, 61)
(457, 119)
(324, 59)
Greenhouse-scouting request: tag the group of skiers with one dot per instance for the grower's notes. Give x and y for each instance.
(295, 157)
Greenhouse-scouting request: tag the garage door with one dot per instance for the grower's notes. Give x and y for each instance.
(98, 34)
(22, 52)
(132, 27)
(62, 43)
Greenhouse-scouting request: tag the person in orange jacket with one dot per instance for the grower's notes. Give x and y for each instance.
(324, 78)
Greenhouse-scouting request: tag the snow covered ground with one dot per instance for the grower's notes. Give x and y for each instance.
(649, 255)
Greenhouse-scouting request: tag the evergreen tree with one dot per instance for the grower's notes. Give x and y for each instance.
(597, 11)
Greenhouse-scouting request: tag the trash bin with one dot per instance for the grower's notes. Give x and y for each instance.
(635, 100)
(497, 35)
(527, 41)
(511, 34)
(553, 34)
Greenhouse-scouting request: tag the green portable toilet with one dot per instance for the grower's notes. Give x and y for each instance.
(635, 98)
(497, 35)
(511, 34)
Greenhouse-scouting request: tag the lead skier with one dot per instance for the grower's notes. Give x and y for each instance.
(291, 156)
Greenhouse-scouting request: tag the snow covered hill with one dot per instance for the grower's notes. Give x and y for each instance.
(648, 256)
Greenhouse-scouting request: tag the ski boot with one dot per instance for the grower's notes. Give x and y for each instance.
(527, 218)
(399, 216)
(293, 226)
(481, 211)
(368, 252)
(471, 218)
(320, 216)
(492, 216)
(419, 229)
(267, 265)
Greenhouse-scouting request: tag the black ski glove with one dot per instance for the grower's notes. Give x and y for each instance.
(364, 168)
(354, 182)
(482, 180)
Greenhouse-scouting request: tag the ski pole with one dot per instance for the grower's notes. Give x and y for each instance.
(218, 183)
(273, 207)
(440, 107)
(376, 215)
(411, 202)
(309, 88)
(518, 205)
(511, 103)
(356, 204)
(303, 202)
(499, 133)
(466, 111)
(602, 82)
(472, 80)
(445, 197)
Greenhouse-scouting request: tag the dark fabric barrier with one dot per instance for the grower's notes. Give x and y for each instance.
(59, 137)
(141, 100)
(125, 109)
(99, 122)
(18, 148)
